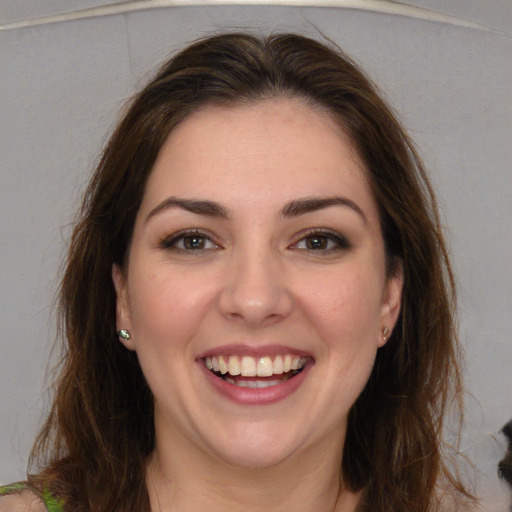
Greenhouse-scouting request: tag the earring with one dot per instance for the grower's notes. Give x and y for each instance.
(385, 332)
(124, 334)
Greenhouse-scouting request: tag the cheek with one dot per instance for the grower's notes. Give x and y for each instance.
(346, 317)
(167, 306)
(166, 310)
(345, 307)
(345, 313)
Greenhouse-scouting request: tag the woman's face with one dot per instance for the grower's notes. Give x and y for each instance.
(255, 290)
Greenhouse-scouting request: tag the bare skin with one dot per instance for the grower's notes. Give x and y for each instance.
(186, 485)
(255, 266)
(24, 501)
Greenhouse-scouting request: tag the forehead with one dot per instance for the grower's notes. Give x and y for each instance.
(274, 149)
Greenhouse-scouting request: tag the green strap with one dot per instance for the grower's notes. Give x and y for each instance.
(51, 503)
(12, 488)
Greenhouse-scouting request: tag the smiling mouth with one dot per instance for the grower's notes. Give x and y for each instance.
(255, 372)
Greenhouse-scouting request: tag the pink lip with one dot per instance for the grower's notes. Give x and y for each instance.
(247, 350)
(258, 396)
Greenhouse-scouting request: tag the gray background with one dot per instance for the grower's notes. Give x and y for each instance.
(63, 83)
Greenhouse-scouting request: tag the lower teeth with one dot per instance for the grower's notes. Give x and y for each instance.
(243, 383)
(253, 383)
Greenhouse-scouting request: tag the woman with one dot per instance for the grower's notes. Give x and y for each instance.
(257, 304)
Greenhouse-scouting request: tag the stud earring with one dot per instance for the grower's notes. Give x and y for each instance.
(385, 332)
(124, 334)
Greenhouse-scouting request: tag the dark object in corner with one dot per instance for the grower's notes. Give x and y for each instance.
(505, 466)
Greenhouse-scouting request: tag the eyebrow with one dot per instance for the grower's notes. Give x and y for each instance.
(292, 209)
(311, 204)
(198, 206)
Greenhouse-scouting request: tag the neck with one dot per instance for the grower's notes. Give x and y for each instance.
(185, 481)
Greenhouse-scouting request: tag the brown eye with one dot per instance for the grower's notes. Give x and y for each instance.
(194, 242)
(189, 241)
(322, 241)
(316, 243)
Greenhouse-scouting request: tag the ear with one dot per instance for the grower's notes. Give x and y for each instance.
(391, 303)
(123, 320)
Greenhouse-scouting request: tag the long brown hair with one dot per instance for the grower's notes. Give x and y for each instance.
(93, 448)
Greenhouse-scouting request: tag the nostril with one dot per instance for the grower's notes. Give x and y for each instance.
(256, 310)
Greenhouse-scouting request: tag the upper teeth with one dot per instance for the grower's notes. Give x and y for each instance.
(254, 366)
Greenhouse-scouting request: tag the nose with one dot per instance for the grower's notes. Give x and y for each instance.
(255, 290)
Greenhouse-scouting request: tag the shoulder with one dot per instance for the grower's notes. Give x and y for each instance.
(22, 501)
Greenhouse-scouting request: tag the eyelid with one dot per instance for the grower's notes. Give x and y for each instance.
(332, 235)
(169, 242)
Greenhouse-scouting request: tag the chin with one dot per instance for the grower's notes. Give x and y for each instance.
(255, 458)
(256, 446)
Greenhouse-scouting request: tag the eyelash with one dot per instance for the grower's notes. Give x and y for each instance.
(172, 241)
(322, 235)
(327, 235)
